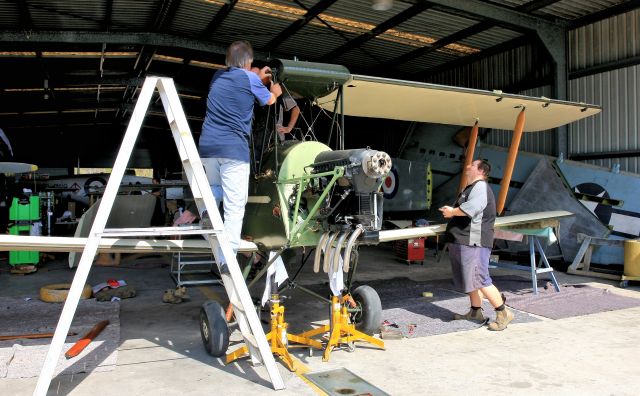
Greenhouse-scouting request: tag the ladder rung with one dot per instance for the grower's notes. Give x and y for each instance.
(152, 231)
(543, 270)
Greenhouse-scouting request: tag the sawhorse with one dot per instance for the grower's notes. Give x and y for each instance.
(534, 235)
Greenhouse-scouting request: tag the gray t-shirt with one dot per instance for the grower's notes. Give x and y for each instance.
(476, 228)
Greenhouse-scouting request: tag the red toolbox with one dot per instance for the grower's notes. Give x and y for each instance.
(410, 250)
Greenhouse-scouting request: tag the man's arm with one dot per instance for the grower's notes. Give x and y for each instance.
(449, 212)
(276, 91)
(295, 112)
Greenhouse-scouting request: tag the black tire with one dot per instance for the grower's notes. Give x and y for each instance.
(369, 317)
(214, 329)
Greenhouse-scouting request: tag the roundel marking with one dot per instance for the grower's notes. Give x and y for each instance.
(390, 184)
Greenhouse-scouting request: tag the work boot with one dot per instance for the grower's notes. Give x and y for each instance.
(473, 314)
(503, 318)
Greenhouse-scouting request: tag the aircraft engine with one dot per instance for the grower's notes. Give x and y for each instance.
(356, 199)
(305, 190)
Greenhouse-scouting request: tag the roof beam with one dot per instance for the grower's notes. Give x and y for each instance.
(166, 14)
(313, 12)
(108, 14)
(139, 38)
(500, 15)
(221, 15)
(25, 15)
(606, 13)
(462, 34)
(381, 28)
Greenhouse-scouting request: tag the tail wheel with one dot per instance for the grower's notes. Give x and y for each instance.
(369, 315)
(214, 329)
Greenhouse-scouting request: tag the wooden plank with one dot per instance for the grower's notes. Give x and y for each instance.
(593, 274)
(601, 241)
(578, 259)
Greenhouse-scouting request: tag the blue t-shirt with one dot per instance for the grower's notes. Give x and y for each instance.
(227, 124)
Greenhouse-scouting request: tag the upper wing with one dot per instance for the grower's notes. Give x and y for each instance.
(366, 96)
(501, 222)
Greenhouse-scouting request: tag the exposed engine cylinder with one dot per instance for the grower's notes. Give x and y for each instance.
(363, 166)
(356, 199)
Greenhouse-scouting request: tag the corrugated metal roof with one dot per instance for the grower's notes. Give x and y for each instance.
(567, 9)
(257, 27)
(9, 15)
(71, 14)
(424, 63)
(490, 37)
(133, 14)
(573, 9)
(193, 17)
(435, 24)
(313, 42)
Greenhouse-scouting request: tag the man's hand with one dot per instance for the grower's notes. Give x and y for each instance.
(276, 89)
(447, 211)
(284, 129)
(265, 75)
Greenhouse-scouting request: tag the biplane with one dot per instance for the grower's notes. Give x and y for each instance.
(306, 194)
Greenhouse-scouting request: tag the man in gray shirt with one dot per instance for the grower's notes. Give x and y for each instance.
(470, 236)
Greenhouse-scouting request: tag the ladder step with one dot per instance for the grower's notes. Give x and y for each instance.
(160, 231)
(543, 270)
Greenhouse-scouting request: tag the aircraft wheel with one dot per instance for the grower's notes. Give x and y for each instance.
(369, 315)
(624, 283)
(214, 329)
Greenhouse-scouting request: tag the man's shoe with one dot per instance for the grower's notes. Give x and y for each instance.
(503, 318)
(473, 314)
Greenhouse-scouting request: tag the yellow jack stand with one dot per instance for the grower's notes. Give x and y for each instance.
(342, 331)
(278, 337)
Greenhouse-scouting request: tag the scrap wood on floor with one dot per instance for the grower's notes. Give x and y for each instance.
(23, 357)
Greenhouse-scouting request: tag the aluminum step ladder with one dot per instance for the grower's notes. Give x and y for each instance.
(231, 274)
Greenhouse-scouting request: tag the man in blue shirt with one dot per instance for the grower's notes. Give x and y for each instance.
(470, 237)
(224, 142)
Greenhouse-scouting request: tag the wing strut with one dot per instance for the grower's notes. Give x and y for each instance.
(468, 159)
(511, 161)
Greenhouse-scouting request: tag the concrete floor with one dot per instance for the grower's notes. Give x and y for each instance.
(161, 350)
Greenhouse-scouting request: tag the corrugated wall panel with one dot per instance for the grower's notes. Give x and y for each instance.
(617, 128)
(605, 41)
(505, 71)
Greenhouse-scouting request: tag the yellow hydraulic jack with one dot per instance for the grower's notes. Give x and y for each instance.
(278, 337)
(341, 328)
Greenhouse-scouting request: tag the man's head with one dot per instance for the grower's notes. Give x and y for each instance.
(239, 54)
(478, 169)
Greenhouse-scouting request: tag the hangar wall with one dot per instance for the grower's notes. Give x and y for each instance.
(603, 69)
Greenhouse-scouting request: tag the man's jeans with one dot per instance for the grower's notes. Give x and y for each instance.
(229, 180)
